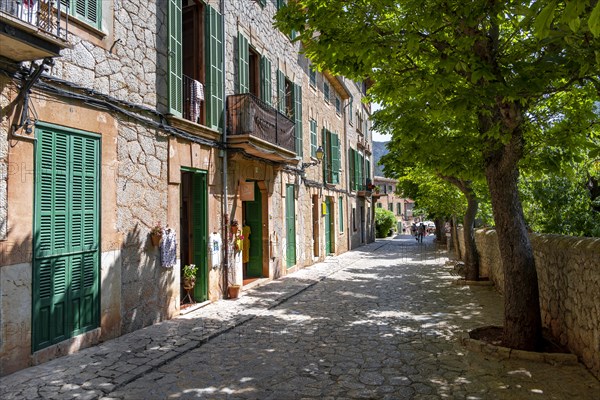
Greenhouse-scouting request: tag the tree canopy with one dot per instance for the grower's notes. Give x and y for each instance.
(485, 63)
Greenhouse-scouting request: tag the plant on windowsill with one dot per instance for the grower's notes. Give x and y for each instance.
(189, 276)
(156, 234)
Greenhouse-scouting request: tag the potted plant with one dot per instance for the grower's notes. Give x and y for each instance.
(234, 226)
(189, 276)
(233, 291)
(156, 234)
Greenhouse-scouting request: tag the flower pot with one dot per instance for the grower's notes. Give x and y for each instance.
(155, 237)
(234, 291)
(189, 283)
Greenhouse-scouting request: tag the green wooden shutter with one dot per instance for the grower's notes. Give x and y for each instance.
(313, 138)
(66, 239)
(290, 223)
(352, 168)
(361, 172)
(266, 89)
(368, 169)
(243, 65)
(327, 160)
(199, 232)
(175, 59)
(281, 92)
(262, 2)
(341, 213)
(335, 158)
(89, 11)
(298, 119)
(214, 65)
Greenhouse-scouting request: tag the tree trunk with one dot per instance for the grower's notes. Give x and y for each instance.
(471, 258)
(455, 240)
(522, 320)
(440, 234)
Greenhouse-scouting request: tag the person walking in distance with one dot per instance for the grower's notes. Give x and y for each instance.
(420, 232)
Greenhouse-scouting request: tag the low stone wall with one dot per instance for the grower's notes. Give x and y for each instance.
(569, 281)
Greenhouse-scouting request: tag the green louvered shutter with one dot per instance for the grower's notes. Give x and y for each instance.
(335, 158)
(361, 170)
(290, 225)
(298, 119)
(350, 113)
(199, 234)
(262, 2)
(313, 138)
(214, 65)
(327, 160)
(352, 169)
(175, 59)
(266, 88)
(66, 236)
(280, 92)
(368, 169)
(89, 11)
(243, 65)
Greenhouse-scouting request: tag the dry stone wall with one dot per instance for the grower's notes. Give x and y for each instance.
(569, 281)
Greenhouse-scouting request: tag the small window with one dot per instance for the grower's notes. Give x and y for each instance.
(312, 75)
(391, 207)
(338, 105)
(326, 91)
(313, 138)
(379, 205)
(88, 11)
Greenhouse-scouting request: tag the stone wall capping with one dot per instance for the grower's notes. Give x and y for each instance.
(569, 281)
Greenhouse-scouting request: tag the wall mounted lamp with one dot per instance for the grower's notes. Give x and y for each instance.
(320, 155)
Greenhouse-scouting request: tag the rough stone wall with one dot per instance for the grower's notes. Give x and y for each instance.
(4, 126)
(142, 202)
(569, 282)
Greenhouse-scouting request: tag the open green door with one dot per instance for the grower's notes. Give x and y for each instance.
(199, 234)
(253, 219)
(290, 226)
(327, 227)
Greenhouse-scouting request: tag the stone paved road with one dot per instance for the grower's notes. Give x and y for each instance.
(378, 323)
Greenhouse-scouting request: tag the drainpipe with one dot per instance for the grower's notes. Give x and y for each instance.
(223, 154)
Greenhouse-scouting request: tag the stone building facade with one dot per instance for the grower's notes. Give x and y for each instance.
(185, 114)
(388, 199)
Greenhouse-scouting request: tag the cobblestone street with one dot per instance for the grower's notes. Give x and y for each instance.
(380, 322)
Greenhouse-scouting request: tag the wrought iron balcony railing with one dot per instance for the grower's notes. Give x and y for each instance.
(43, 14)
(248, 115)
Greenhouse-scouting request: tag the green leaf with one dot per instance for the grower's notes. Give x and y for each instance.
(594, 21)
(574, 24)
(544, 20)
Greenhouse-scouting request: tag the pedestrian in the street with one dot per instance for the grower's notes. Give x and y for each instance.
(420, 232)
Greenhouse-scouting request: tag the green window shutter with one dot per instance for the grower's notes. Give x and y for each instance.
(368, 170)
(327, 160)
(312, 76)
(335, 158)
(313, 138)
(66, 236)
(280, 92)
(341, 213)
(175, 59)
(243, 65)
(262, 2)
(361, 171)
(352, 169)
(266, 89)
(356, 170)
(88, 11)
(214, 65)
(298, 119)
(290, 225)
(326, 91)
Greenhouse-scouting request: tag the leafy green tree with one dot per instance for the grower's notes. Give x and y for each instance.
(384, 222)
(492, 60)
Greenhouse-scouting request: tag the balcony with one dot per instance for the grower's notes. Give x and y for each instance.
(32, 29)
(259, 129)
(363, 143)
